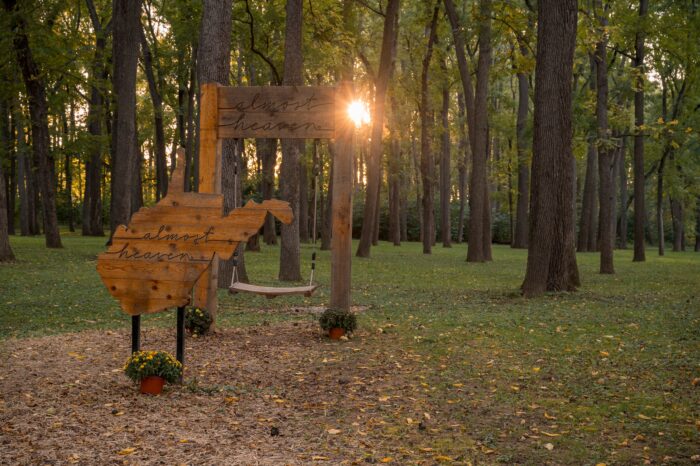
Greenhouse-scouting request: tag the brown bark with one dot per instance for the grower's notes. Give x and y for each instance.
(678, 225)
(697, 224)
(157, 102)
(639, 208)
(551, 260)
(327, 225)
(445, 179)
(24, 182)
(38, 111)
(292, 149)
(622, 173)
(521, 213)
(267, 152)
(427, 164)
(394, 177)
(126, 24)
(92, 196)
(605, 154)
(304, 234)
(479, 249)
(462, 164)
(6, 254)
(374, 162)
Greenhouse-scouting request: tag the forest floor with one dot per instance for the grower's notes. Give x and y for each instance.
(449, 366)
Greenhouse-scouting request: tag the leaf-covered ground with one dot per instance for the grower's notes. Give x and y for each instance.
(450, 365)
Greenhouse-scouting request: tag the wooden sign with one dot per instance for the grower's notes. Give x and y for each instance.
(276, 112)
(153, 263)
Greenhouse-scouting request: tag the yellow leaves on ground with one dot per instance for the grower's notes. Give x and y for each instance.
(642, 416)
(604, 354)
(319, 458)
(549, 446)
(334, 431)
(126, 451)
(443, 459)
(387, 459)
(547, 416)
(78, 356)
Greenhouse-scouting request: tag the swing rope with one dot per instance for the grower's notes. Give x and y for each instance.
(272, 292)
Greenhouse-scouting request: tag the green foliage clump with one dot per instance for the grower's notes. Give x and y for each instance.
(332, 318)
(197, 320)
(142, 364)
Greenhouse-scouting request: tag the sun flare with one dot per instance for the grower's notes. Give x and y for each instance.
(358, 111)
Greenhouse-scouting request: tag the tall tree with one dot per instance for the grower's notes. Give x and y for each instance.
(639, 208)
(92, 197)
(292, 149)
(479, 249)
(6, 254)
(386, 62)
(521, 213)
(551, 259)
(606, 188)
(125, 49)
(445, 173)
(427, 164)
(588, 226)
(38, 111)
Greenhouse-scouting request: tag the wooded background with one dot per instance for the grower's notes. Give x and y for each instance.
(96, 96)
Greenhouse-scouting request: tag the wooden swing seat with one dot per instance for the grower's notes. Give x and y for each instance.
(272, 291)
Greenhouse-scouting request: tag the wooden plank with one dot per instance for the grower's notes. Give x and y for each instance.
(341, 240)
(209, 181)
(277, 111)
(154, 263)
(271, 291)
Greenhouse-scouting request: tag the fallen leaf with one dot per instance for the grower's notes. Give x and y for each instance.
(549, 446)
(642, 416)
(549, 435)
(334, 431)
(547, 416)
(387, 459)
(605, 354)
(126, 451)
(319, 458)
(443, 459)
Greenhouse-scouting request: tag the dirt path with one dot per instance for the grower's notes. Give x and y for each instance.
(279, 394)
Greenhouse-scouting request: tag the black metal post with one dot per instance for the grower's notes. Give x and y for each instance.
(181, 338)
(135, 333)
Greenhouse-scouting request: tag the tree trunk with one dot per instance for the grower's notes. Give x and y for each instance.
(479, 249)
(327, 225)
(137, 183)
(6, 254)
(639, 208)
(267, 152)
(374, 162)
(126, 26)
(587, 235)
(394, 176)
(304, 234)
(38, 111)
(445, 179)
(605, 154)
(622, 172)
(427, 164)
(677, 220)
(551, 260)
(659, 206)
(157, 101)
(8, 193)
(292, 149)
(462, 164)
(521, 217)
(92, 197)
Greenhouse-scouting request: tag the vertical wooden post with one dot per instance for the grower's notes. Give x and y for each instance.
(135, 333)
(341, 241)
(209, 182)
(180, 349)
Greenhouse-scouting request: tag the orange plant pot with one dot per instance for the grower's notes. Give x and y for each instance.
(335, 333)
(152, 385)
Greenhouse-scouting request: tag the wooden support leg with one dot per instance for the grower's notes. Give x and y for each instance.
(135, 333)
(180, 353)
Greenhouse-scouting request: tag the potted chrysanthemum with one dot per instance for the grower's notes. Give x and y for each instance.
(337, 323)
(152, 369)
(197, 320)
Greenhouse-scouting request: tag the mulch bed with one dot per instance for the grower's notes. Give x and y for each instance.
(276, 394)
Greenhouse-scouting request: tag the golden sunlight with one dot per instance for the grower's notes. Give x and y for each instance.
(358, 111)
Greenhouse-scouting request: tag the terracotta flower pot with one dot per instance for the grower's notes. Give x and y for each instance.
(335, 333)
(152, 385)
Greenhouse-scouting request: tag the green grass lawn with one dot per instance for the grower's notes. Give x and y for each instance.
(611, 367)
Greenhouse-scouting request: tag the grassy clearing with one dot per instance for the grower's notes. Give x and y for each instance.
(604, 374)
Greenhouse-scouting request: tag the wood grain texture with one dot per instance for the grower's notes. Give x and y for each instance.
(154, 263)
(278, 112)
